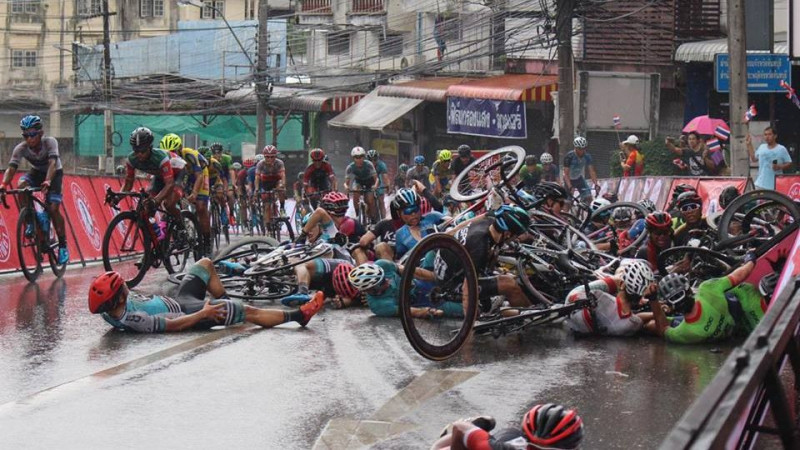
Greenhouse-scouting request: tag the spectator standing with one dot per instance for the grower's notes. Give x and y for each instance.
(633, 164)
(772, 158)
(695, 153)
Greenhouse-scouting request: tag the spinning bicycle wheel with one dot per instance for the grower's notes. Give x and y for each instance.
(491, 169)
(438, 297)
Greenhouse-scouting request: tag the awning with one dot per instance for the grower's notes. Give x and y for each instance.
(517, 87)
(374, 112)
(704, 51)
(302, 99)
(428, 89)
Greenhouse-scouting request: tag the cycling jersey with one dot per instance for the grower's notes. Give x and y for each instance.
(606, 318)
(649, 252)
(241, 178)
(386, 303)
(380, 169)
(419, 173)
(251, 175)
(530, 176)
(441, 170)
(457, 165)
(226, 161)
(405, 241)
(385, 230)
(352, 229)
(577, 165)
(214, 169)
(322, 280)
(318, 177)
(711, 321)
(746, 306)
(158, 165)
(270, 174)
(39, 159)
(364, 175)
(149, 315)
(478, 242)
(550, 173)
(194, 160)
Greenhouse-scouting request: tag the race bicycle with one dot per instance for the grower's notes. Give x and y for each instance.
(278, 225)
(32, 247)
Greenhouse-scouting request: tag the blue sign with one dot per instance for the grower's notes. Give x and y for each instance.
(481, 117)
(764, 72)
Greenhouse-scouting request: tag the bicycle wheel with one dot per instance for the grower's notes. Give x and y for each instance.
(286, 257)
(215, 225)
(697, 263)
(176, 251)
(30, 259)
(52, 252)
(127, 248)
(247, 250)
(450, 289)
(283, 228)
(490, 169)
(770, 212)
(637, 210)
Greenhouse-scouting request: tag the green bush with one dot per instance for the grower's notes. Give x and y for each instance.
(658, 159)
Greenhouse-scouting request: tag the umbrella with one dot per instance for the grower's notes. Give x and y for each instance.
(705, 125)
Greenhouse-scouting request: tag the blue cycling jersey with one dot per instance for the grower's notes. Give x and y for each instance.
(146, 315)
(380, 168)
(405, 241)
(577, 165)
(251, 175)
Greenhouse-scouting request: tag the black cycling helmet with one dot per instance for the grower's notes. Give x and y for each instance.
(688, 198)
(548, 189)
(675, 290)
(216, 147)
(530, 160)
(511, 218)
(141, 139)
(681, 188)
(767, 284)
(728, 195)
(552, 426)
(464, 150)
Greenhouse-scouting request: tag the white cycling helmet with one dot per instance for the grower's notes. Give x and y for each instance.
(637, 277)
(259, 157)
(598, 203)
(177, 162)
(358, 151)
(366, 276)
(546, 158)
(580, 142)
(237, 166)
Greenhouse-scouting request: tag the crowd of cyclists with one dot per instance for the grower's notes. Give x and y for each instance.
(366, 260)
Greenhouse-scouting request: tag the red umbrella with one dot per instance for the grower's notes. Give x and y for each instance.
(705, 125)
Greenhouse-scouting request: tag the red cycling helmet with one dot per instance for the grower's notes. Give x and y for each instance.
(341, 284)
(335, 203)
(270, 150)
(317, 154)
(249, 162)
(103, 292)
(424, 206)
(658, 220)
(552, 426)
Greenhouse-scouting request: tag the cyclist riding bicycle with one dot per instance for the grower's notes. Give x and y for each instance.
(576, 163)
(616, 297)
(400, 177)
(361, 174)
(530, 174)
(706, 314)
(226, 175)
(442, 173)
(155, 162)
(318, 177)
(383, 179)
(110, 297)
(242, 189)
(196, 184)
(482, 237)
(271, 175)
(549, 170)
(215, 183)
(46, 172)
(464, 159)
(419, 172)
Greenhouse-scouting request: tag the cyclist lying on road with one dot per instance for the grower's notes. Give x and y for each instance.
(109, 296)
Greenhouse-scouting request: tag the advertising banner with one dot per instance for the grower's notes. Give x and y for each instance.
(709, 189)
(84, 212)
(481, 117)
(788, 185)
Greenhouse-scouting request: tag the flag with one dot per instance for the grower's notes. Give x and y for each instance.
(713, 145)
(790, 94)
(722, 133)
(617, 121)
(750, 114)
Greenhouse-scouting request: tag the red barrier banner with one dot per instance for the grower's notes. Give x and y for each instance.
(8, 240)
(657, 190)
(710, 188)
(608, 185)
(788, 185)
(84, 212)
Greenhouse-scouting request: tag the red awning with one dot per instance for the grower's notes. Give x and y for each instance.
(517, 87)
(428, 89)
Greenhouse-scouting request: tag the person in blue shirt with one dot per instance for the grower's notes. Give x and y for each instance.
(772, 158)
(407, 204)
(383, 179)
(576, 164)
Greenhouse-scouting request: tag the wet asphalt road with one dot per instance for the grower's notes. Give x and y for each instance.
(348, 380)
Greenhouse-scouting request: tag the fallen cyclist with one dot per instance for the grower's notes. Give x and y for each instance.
(110, 296)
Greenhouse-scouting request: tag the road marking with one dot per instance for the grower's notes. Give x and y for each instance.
(342, 433)
(73, 385)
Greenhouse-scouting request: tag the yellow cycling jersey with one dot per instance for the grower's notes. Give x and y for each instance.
(214, 168)
(194, 159)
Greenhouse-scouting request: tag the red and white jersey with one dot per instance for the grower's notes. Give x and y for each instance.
(606, 318)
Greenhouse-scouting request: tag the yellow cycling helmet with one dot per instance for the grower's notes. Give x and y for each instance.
(171, 142)
(445, 155)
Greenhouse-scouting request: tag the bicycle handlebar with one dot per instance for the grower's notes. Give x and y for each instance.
(27, 190)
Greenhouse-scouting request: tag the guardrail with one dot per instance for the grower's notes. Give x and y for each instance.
(731, 411)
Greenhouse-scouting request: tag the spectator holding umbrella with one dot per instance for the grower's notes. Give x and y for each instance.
(772, 158)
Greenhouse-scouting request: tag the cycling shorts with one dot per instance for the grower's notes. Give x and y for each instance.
(582, 186)
(192, 293)
(35, 178)
(365, 184)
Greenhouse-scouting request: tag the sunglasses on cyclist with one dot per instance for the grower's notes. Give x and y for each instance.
(660, 232)
(140, 149)
(31, 134)
(358, 157)
(690, 207)
(411, 209)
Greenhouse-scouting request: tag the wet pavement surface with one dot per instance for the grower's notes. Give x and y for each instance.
(348, 380)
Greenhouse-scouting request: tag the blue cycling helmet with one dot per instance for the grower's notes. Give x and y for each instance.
(31, 121)
(511, 218)
(419, 159)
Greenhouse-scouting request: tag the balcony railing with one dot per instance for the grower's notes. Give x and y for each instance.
(315, 7)
(367, 7)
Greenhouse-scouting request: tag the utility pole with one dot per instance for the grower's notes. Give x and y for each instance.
(107, 163)
(737, 50)
(262, 94)
(566, 115)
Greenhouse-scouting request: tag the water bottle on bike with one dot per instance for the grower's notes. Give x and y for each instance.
(44, 222)
(159, 228)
